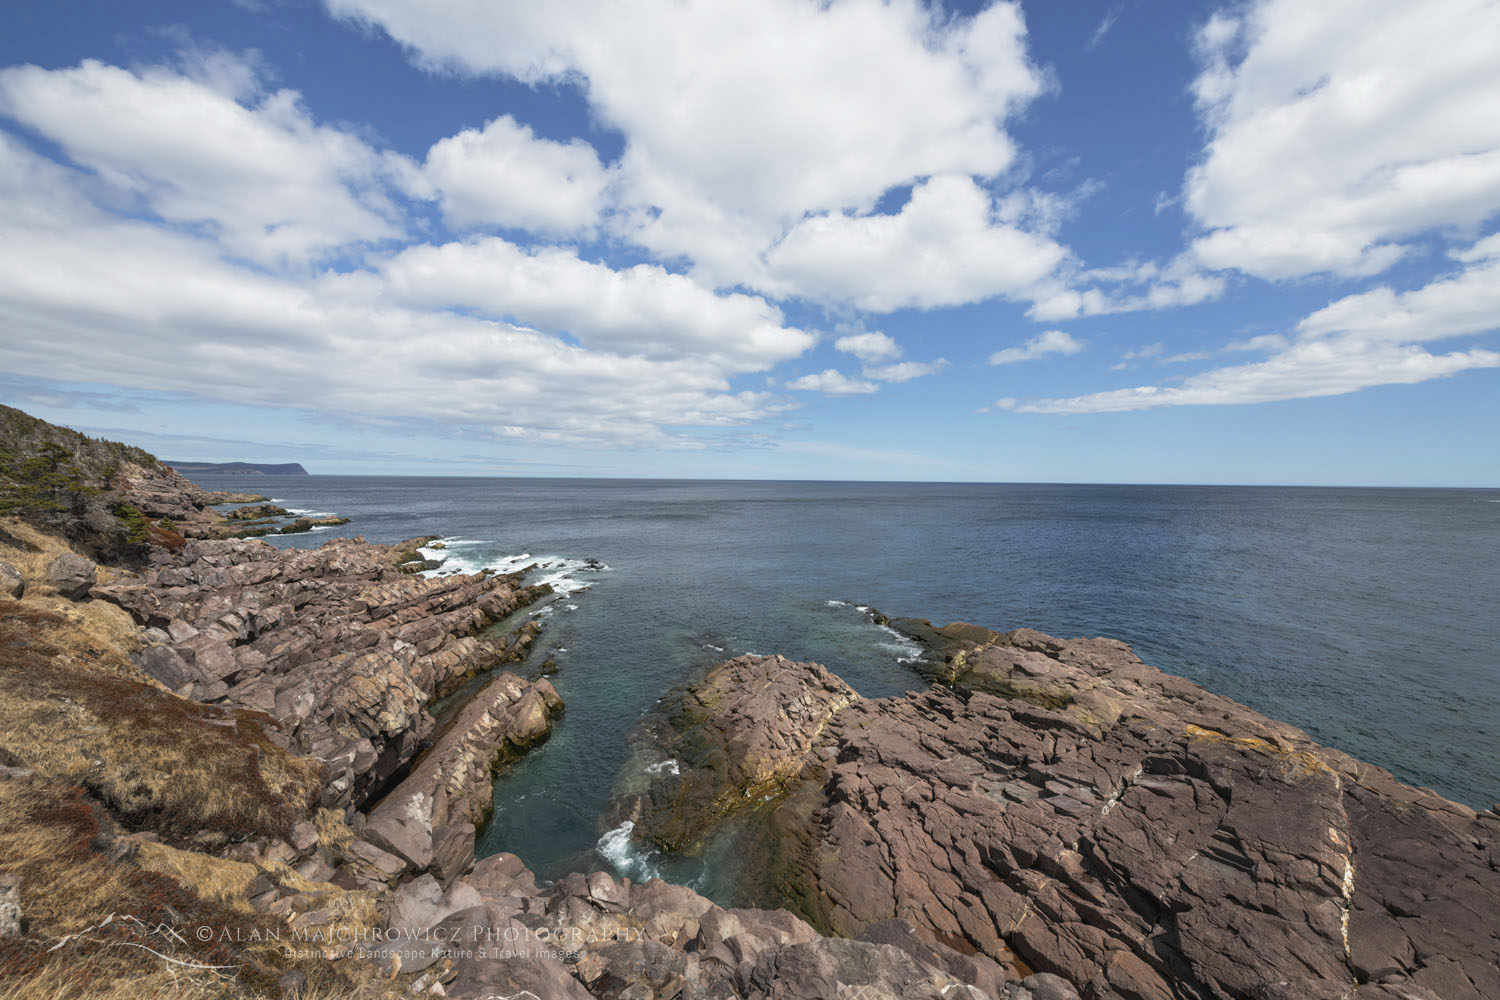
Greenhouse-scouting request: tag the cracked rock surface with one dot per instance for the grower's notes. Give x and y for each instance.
(345, 651)
(1059, 806)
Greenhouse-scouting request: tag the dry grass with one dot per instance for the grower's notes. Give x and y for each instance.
(158, 761)
(97, 625)
(218, 880)
(61, 979)
(49, 835)
(334, 835)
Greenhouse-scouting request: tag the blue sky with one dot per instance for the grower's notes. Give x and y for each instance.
(1124, 242)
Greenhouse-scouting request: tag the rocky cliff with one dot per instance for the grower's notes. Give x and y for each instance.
(113, 501)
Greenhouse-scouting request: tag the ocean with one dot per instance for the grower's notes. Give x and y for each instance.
(1368, 617)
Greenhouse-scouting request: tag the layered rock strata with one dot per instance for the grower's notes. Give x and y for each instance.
(1061, 806)
(733, 759)
(335, 643)
(431, 818)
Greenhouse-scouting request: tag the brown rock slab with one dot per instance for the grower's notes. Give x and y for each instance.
(1059, 807)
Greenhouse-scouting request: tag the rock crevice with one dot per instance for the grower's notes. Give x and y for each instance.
(336, 643)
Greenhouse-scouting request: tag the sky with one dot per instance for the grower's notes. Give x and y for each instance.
(1244, 242)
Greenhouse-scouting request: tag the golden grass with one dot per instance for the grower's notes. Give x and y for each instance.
(68, 709)
(104, 629)
(66, 979)
(48, 837)
(219, 880)
(334, 835)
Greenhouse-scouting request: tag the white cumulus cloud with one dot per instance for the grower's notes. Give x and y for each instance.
(831, 382)
(274, 185)
(905, 371)
(725, 153)
(503, 175)
(1040, 346)
(176, 315)
(643, 309)
(869, 347)
(1340, 130)
(945, 247)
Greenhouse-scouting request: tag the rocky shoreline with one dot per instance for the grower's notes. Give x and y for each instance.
(1058, 805)
(210, 732)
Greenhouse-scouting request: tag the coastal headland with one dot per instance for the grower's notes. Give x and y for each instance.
(228, 769)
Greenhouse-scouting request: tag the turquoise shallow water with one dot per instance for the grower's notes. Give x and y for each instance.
(1369, 617)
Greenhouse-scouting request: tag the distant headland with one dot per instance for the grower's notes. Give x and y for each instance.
(240, 468)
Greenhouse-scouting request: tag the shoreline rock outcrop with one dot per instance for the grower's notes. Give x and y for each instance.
(431, 818)
(334, 642)
(1062, 807)
(723, 757)
(494, 932)
(1051, 818)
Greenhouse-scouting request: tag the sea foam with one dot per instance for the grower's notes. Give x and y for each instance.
(467, 555)
(624, 856)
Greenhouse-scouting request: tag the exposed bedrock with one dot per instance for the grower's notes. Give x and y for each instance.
(495, 933)
(1060, 806)
(430, 819)
(159, 491)
(343, 649)
(733, 758)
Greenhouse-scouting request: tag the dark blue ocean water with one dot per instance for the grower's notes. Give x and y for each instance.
(1369, 617)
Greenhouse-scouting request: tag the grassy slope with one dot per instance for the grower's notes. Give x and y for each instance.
(102, 750)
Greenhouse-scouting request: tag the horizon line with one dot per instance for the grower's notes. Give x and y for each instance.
(254, 477)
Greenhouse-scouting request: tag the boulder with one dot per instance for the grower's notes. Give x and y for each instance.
(12, 583)
(452, 851)
(72, 575)
(501, 875)
(163, 664)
